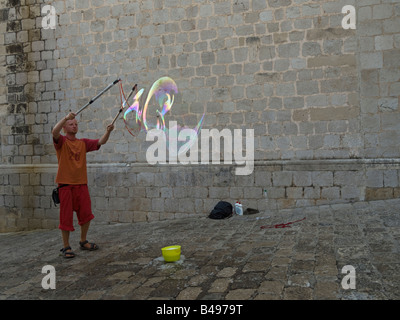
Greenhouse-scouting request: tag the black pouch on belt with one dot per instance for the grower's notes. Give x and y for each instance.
(55, 196)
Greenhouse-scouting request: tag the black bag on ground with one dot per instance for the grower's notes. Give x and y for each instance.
(222, 210)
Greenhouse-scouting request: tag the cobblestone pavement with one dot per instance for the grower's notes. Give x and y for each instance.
(221, 259)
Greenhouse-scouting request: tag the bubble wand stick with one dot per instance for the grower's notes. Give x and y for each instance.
(96, 97)
(124, 104)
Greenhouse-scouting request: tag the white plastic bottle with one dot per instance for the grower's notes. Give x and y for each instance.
(239, 208)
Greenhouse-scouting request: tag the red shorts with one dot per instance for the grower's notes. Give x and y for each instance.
(74, 198)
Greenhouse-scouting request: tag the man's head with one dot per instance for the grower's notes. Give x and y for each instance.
(71, 127)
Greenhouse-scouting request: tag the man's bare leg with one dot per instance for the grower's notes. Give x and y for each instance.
(65, 238)
(84, 231)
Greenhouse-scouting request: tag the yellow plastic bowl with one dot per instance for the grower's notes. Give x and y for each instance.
(171, 253)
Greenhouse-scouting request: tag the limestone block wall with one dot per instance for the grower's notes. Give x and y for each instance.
(323, 101)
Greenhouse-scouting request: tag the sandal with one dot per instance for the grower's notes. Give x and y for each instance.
(93, 246)
(69, 254)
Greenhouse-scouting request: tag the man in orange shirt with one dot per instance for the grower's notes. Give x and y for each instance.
(72, 178)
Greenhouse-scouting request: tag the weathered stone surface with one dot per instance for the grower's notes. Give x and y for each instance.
(310, 90)
(221, 260)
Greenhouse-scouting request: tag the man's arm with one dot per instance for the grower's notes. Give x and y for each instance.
(106, 135)
(60, 124)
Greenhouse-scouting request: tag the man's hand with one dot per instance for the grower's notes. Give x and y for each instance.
(57, 128)
(105, 137)
(110, 127)
(70, 116)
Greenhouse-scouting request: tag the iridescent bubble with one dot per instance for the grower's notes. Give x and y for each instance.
(163, 90)
(181, 139)
(153, 116)
(133, 116)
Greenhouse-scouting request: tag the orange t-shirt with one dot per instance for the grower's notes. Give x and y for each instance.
(71, 155)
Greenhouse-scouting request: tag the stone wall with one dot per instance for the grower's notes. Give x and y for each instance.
(322, 101)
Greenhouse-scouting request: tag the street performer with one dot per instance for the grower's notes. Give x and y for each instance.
(72, 180)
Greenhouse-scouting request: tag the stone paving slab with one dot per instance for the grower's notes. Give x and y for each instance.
(221, 259)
